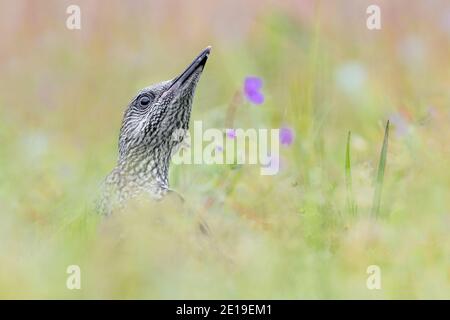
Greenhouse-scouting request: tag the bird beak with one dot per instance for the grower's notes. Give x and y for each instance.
(198, 62)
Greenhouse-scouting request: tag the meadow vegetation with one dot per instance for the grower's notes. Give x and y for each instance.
(310, 231)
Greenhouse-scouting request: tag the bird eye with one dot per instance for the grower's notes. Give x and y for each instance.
(144, 101)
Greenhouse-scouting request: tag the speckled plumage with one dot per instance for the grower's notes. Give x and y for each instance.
(149, 136)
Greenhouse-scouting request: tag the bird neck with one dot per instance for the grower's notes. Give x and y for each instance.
(147, 166)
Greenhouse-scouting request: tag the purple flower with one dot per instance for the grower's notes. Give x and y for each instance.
(231, 133)
(252, 87)
(286, 136)
(432, 112)
(400, 123)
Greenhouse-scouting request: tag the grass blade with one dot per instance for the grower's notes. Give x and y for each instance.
(348, 177)
(380, 174)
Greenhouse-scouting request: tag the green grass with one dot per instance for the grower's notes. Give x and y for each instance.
(380, 174)
(308, 232)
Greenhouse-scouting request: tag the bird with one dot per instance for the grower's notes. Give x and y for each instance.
(153, 128)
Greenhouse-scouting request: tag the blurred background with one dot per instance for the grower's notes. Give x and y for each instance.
(291, 236)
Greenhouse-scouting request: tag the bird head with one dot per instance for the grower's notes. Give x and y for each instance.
(156, 116)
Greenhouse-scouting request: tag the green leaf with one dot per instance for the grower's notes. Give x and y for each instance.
(380, 174)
